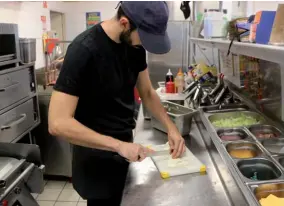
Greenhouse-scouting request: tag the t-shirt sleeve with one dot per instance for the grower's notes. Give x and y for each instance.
(73, 69)
(139, 58)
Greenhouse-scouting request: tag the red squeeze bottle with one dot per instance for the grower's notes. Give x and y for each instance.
(170, 86)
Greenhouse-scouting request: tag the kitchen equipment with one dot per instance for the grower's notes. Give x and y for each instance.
(274, 146)
(233, 134)
(259, 168)
(265, 131)
(9, 41)
(28, 50)
(180, 115)
(187, 164)
(264, 190)
(21, 173)
(243, 150)
(231, 115)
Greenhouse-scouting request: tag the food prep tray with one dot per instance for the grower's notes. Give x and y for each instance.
(274, 146)
(243, 169)
(266, 131)
(224, 108)
(263, 190)
(232, 134)
(236, 114)
(180, 115)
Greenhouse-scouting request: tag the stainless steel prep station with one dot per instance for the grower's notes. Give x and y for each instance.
(146, 187)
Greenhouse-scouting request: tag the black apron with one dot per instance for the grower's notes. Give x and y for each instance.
(99, 174)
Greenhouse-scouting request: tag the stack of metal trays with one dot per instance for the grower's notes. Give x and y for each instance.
(252, 153)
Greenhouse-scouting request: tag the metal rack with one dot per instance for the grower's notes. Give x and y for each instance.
(265, 52)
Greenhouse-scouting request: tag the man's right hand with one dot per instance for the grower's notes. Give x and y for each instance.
(133, 152)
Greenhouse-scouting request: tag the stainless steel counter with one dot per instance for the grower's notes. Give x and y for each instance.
(146, 188)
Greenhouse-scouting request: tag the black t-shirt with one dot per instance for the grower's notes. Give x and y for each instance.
(103, 74)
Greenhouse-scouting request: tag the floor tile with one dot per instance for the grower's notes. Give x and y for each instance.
(68, 185)
(55, 184)
(49, 194)
(82, 200)
(46, 203)
(65, 204)
(68, 195)
(82, 204)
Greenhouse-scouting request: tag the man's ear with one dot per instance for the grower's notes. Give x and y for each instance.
(124, 22)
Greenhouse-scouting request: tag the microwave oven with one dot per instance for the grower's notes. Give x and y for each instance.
(9, 44)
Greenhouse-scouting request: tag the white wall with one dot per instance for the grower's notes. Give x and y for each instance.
(27, 16)
(76, 18)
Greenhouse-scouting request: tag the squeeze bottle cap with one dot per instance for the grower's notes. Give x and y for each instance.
(169, 72)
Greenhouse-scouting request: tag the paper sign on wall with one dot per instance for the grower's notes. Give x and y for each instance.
(92, 18)
(44, 4)
(43, 20)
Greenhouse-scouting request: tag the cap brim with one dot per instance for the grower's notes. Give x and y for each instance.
(156, 44)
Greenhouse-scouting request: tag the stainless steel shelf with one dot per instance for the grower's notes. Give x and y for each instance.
(265, 52)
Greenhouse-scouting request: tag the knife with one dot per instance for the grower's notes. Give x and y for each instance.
(154, 154)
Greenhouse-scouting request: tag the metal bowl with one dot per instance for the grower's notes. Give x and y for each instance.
(264, 190)
(265, 131)
(259, 169)
(232, 134)
(243, 150)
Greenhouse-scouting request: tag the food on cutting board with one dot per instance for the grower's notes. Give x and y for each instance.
(230, 137)
(271, 200)
(265, 135)
(243, 153)
(179, 162)
(242, 120)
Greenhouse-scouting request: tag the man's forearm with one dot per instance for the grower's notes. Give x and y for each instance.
(153, 103)
(76, 133)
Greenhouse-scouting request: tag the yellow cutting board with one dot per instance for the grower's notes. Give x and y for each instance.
(168, 167)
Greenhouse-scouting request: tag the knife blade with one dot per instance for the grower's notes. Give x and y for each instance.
(154, 154)
(159, 153)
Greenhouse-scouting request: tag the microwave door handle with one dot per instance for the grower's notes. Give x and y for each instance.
(6, 88)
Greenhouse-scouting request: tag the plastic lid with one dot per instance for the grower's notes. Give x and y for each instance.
(180, 73)
(169, 72)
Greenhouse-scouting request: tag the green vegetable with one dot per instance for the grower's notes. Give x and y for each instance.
(242, 120)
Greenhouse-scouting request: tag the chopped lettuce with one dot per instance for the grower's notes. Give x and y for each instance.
(242, 120)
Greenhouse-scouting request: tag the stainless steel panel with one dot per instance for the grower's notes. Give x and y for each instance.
(181, 117)
(15, 86)
(16, 121)
(178, 56)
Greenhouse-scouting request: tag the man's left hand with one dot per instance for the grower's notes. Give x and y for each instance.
(176, 143)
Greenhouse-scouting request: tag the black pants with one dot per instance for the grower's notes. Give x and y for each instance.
(105, 202)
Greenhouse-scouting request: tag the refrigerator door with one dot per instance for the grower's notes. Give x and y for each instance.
(178, 56)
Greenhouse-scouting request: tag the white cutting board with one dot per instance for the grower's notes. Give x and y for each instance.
(188, 163)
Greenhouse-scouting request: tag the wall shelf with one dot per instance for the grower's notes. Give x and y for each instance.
(266, 52)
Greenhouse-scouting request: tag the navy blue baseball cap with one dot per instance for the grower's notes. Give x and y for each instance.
(151, 19)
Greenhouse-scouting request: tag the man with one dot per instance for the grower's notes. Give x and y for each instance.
(93, 103)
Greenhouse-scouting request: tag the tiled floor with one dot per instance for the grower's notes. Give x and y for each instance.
(59, 193)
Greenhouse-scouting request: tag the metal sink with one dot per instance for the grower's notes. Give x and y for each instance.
(259, 169)
(243, 150)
